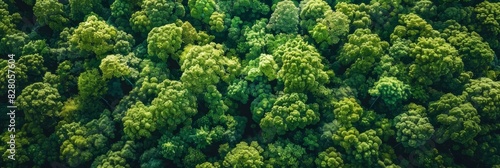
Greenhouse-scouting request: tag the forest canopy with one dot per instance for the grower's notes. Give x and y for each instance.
(250, 83)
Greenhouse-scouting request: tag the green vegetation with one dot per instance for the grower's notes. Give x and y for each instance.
(249, 83)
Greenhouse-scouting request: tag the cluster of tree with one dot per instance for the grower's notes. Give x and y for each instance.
(249, 83)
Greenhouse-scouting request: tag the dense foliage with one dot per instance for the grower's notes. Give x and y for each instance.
(249, 83)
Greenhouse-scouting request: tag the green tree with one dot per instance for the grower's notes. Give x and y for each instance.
(193, 158)
(412, 27)
(81, 142)
(357, 14)
(40, 101)
(34, 64)
(329, 158)
(331, 28)
(173, 106)
(116, 157)
(50, 12)
(285, 18)
(413, 127)
(208, 61)
(138, 122)
(391, 90)
(459, 121)
(488, 21)
(360, 55)
(311, 11)
(217, 21)
(256, 39)
(348, 111)
(302, 68)
(114, 66)
(164, 41)
(91, 84)
(98, 37)
(252, 9)
(80, 9)
(238, 91)
(483, 94)
(202, 9)
(262, 104)
(156, 13)
(13, 42)
(289, 113)
(476, 54)
(361, 148)
(284, 153)
(8, 20)
(172, 147)
(435, 59)
(245, 155)
(362, 51)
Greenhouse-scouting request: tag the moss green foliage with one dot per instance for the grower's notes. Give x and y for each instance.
(256, 39)
(91, 84)
(154, 13)
(22, 142)
(265, 65)
(13, 43)
(391, 90)
(34, 65)
(95, 35)
(81, 142)
(483, 94)
(80, 9)
(460, 121)
(173, 105)
(137, 122)
(413, 128)
(245, 155)
(283, 153)
(366, 150)
(360, 55)
(40, 101)
(330, 28)
(202, 9)
(487, 16)
(476, 54)
(347, 111)
(329, 158)
(50, 12)
(208, 61)
(238, 91)
(114, 66)
(362, 51)
(252, 9)
(289, 112)
(250, 83)
(217, 21)
(116, 157)
(312, 10)
(360, 147)
(171, 147)
(412, 27)
(302, 69)
(434, 59)
(358, 14)
(151, 158)
(262, 104)
(164, 41)
(8, 19)
(488, 149)
(21, 76)
(285, 18)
